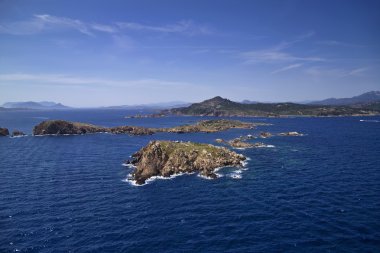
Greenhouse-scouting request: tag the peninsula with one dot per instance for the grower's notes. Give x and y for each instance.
(167, 158)
(219, 106)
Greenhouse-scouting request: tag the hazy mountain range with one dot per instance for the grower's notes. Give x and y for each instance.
(35, 105)
(363, 99)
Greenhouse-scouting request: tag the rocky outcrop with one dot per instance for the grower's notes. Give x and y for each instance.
(290, 134)
(131, 130)
(265, 135)
(16, 133)
(4, 131)
(61, 127)
(211, 126)
(166, 158)
(238, 143)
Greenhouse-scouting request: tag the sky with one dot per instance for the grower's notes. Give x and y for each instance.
(101, 53)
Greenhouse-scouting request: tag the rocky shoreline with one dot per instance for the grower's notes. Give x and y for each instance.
(167, 158)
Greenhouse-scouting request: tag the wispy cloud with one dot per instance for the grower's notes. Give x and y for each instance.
(278, 54)
(104, 28)
(186, 27)
(274, 56)
(335, 72)
(45, 22)
(286, 68)
(49, 79)
(337, 43)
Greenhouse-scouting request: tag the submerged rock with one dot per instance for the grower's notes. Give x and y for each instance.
(4, 131)
(166, 158)
(290, 134)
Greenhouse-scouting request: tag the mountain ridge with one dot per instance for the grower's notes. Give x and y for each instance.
(219, 106)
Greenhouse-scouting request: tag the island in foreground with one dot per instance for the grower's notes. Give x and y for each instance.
(167, 158)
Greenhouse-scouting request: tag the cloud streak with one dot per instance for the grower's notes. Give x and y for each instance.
(289, 67)
(49, 23)
(186, 27)
(48, 79)
(274, 56)
(335, 72)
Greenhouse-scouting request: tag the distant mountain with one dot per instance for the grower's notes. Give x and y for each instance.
(246, 101)
(219, 106)
(366, 98)
(164, 105)
(35, 105)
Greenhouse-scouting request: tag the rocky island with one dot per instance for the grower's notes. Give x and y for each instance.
(166, 158)
(61, 127)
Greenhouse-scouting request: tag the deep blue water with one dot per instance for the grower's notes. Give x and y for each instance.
(316, 193)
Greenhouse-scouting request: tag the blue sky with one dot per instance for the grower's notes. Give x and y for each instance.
(98, 53)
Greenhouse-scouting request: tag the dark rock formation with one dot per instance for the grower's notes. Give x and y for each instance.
(166, 158)
(4, 131)
(16, 133)
(61, 127)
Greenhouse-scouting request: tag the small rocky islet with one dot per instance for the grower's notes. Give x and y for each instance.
(4, 131)
(167, 158)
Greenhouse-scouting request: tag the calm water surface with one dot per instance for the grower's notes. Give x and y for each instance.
(316, 193)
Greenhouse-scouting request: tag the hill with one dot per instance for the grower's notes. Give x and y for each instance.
(365, 98)
(35, 105)
(219, 106)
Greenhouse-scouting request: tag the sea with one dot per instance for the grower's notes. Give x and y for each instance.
(314, 193)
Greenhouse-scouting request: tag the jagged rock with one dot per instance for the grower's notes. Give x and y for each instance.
(4, 131)
(166, 158)
(16, 133)
(265, 134)
(290, 134)
(219, 140)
